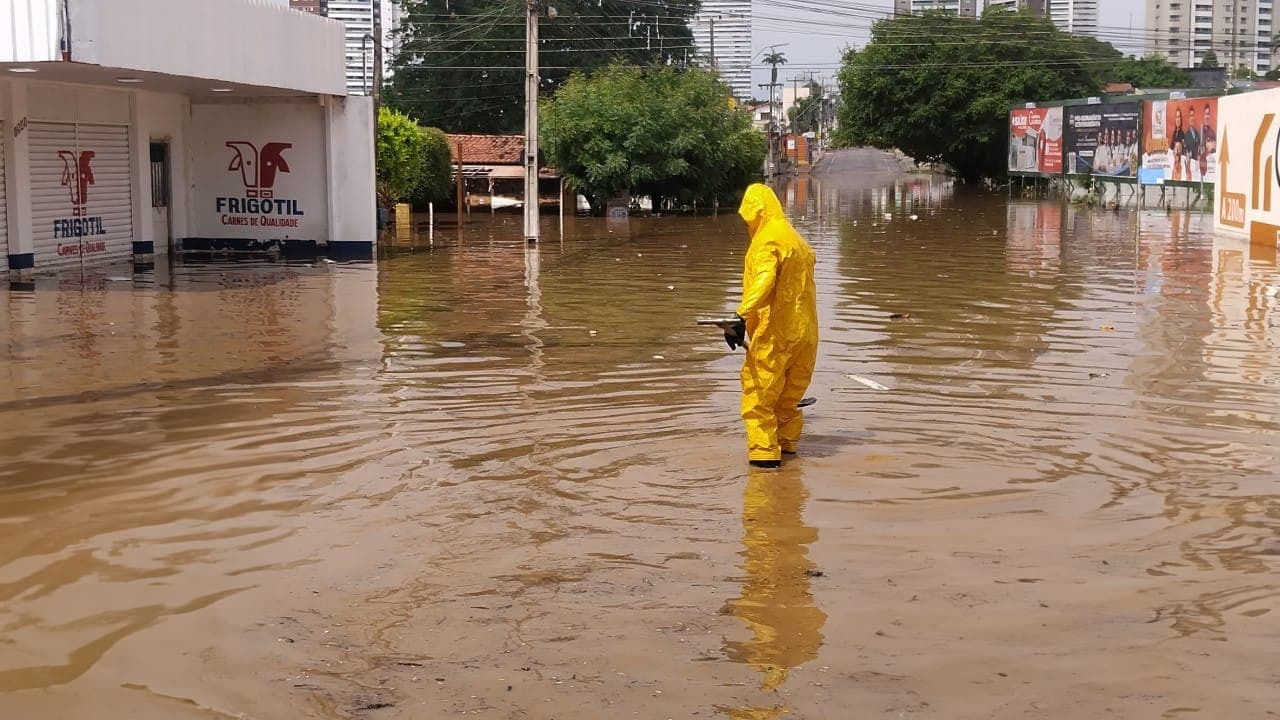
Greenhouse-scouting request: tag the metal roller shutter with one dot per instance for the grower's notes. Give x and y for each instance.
(4, 207)
(81, 205)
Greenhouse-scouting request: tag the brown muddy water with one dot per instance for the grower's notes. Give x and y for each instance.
(485, 481)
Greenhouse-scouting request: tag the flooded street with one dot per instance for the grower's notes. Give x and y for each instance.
(481, 480)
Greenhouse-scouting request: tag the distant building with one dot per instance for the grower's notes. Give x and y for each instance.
(316, 7)
(1074, 16)
(722, 34)
(357, 16)
(1239, 32)
(1035, 6)
(964, 8)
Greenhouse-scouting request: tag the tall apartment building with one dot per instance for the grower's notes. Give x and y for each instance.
(965, 8)
(357, 15)
(1074, 16)
(1238, 31)
(730, 23)
(1035, 6)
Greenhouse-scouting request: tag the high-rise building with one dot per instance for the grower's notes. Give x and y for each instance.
(1074, 16)
(316, 7)
(1035, 6)
(725, 25)
(1239, 32)
(964, 8)
(357, 15)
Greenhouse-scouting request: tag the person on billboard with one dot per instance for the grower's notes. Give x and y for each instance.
(1101, 154)
(1191, 147)
(1176, 140)
(1208, 141)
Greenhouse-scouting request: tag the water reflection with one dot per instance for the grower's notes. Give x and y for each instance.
(776, 603)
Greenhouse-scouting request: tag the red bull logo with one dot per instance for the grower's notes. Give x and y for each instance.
(77, 178)
(258, 170)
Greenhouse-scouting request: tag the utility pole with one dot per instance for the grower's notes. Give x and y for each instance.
(377, 56)
(531, 122)
(712, 20)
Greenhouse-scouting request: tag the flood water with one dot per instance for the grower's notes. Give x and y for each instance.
(476, 479)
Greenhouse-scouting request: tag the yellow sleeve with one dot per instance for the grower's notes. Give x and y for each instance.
(762, 272)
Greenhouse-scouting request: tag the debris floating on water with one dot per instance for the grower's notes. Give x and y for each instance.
(867, 382)
(900, 316)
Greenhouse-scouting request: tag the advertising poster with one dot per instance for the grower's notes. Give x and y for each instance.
(1181, 139)
(1035, 140)
(1103, 139)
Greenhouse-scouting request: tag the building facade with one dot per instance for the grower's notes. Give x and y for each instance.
(1239, 32)
(1035, 6)
(722, 35)
(118, 143)
(1074, 16)
(315, 7)
(964, 8)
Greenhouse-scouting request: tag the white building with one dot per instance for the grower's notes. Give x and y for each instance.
(1035, 6)
(1074, 16)
(1239, 32)
(725, 25)
(964, 8)
(118, 141)
(357, 17)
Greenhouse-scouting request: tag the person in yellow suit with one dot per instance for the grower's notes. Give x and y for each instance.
(779, 312)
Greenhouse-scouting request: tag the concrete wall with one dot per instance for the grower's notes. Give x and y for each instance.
(161, 117)
(251, 42)
(29, 31)
(351, 170)
(232, 171)
(1248, 192)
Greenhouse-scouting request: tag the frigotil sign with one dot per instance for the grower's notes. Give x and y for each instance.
(77, 178)
(258, 169)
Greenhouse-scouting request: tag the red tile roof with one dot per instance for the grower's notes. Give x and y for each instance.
(488, 149)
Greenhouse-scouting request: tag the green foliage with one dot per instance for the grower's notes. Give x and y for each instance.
(650, 131)
(1152, 71)
(412, 161)
(1244, 72)
(1210, 60)
(1272, 74)
(461, 63)
(400, 149)
(807, 112)
(947, 100)
(436, 176)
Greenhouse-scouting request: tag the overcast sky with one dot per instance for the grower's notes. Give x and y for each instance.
(815, 47)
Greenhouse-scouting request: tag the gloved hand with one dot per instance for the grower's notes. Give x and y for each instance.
(737, 333)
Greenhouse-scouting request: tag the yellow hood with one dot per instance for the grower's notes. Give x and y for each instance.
(759, 207)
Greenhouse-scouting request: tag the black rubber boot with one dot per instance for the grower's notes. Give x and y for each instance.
(772, 464)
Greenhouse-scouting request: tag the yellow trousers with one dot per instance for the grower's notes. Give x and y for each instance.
(774, 380)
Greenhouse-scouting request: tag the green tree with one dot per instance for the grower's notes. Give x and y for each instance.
(1152, 71)
(461, 63)
(807, 113)
(1244, 72)
(436, 176)
(651, 131)
(948, 99)
(1210, 60)
(400, 149)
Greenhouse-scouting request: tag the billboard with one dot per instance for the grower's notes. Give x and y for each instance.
(1180, 139)
(1248, 192)
(1102, 139)
(1035, 140)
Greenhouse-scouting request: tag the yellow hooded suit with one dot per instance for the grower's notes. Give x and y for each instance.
(780, 306)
